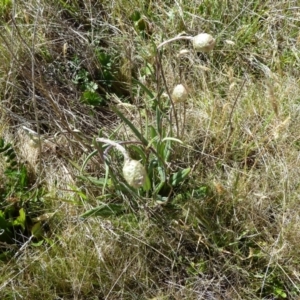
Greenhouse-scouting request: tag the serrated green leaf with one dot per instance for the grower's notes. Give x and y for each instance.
(91, 98)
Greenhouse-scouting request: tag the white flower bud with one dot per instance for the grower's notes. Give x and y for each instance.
(179, 93)
(203, 42)
(134, 173)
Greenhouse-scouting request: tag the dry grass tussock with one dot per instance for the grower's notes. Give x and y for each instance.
(70, 226)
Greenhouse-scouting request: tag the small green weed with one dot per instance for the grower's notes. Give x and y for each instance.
(16, 201)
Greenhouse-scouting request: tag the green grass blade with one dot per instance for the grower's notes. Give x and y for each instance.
(144, 88)
(104, 211)
(87, 159)
(180, 176)
(131, 126)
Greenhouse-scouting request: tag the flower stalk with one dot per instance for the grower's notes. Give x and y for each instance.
(203, 42)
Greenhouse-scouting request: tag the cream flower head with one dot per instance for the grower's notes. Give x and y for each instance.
(179, 93)
(203, 42)
(134, 173)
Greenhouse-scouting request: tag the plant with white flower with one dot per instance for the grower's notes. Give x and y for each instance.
(133, 171)
(203, 42)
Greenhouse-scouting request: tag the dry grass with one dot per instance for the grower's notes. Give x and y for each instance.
(231, 230)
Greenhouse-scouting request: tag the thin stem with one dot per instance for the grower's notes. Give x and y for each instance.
(170, 97)
(115, 144)
(184, 119)
(175, 39)
(230, 118)
(33, 91)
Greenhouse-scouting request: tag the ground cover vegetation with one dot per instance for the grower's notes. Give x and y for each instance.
(135, 168)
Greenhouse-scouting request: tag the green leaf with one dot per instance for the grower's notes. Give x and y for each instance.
(153, 142)
(13, 164)
(37, 244)
(10, 153)
(94, 180)
(4, 147)
(21, 219)
(23, 177)
(91, 98)
(161, 172)
(166, 151)
(146, 90)
(147, 184)
(3, 222)
(37, 230)
(140, 151)
(104, 211)
(140, 25)
(159, 187)
(163, 150)
(103, 58)
(78, 192)
(147, 70)
(153, 132)
(135, 16)
(91, 86)
(159, 121)
(87, 159)
(280, 292)
(179, 177)
(131, 126)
